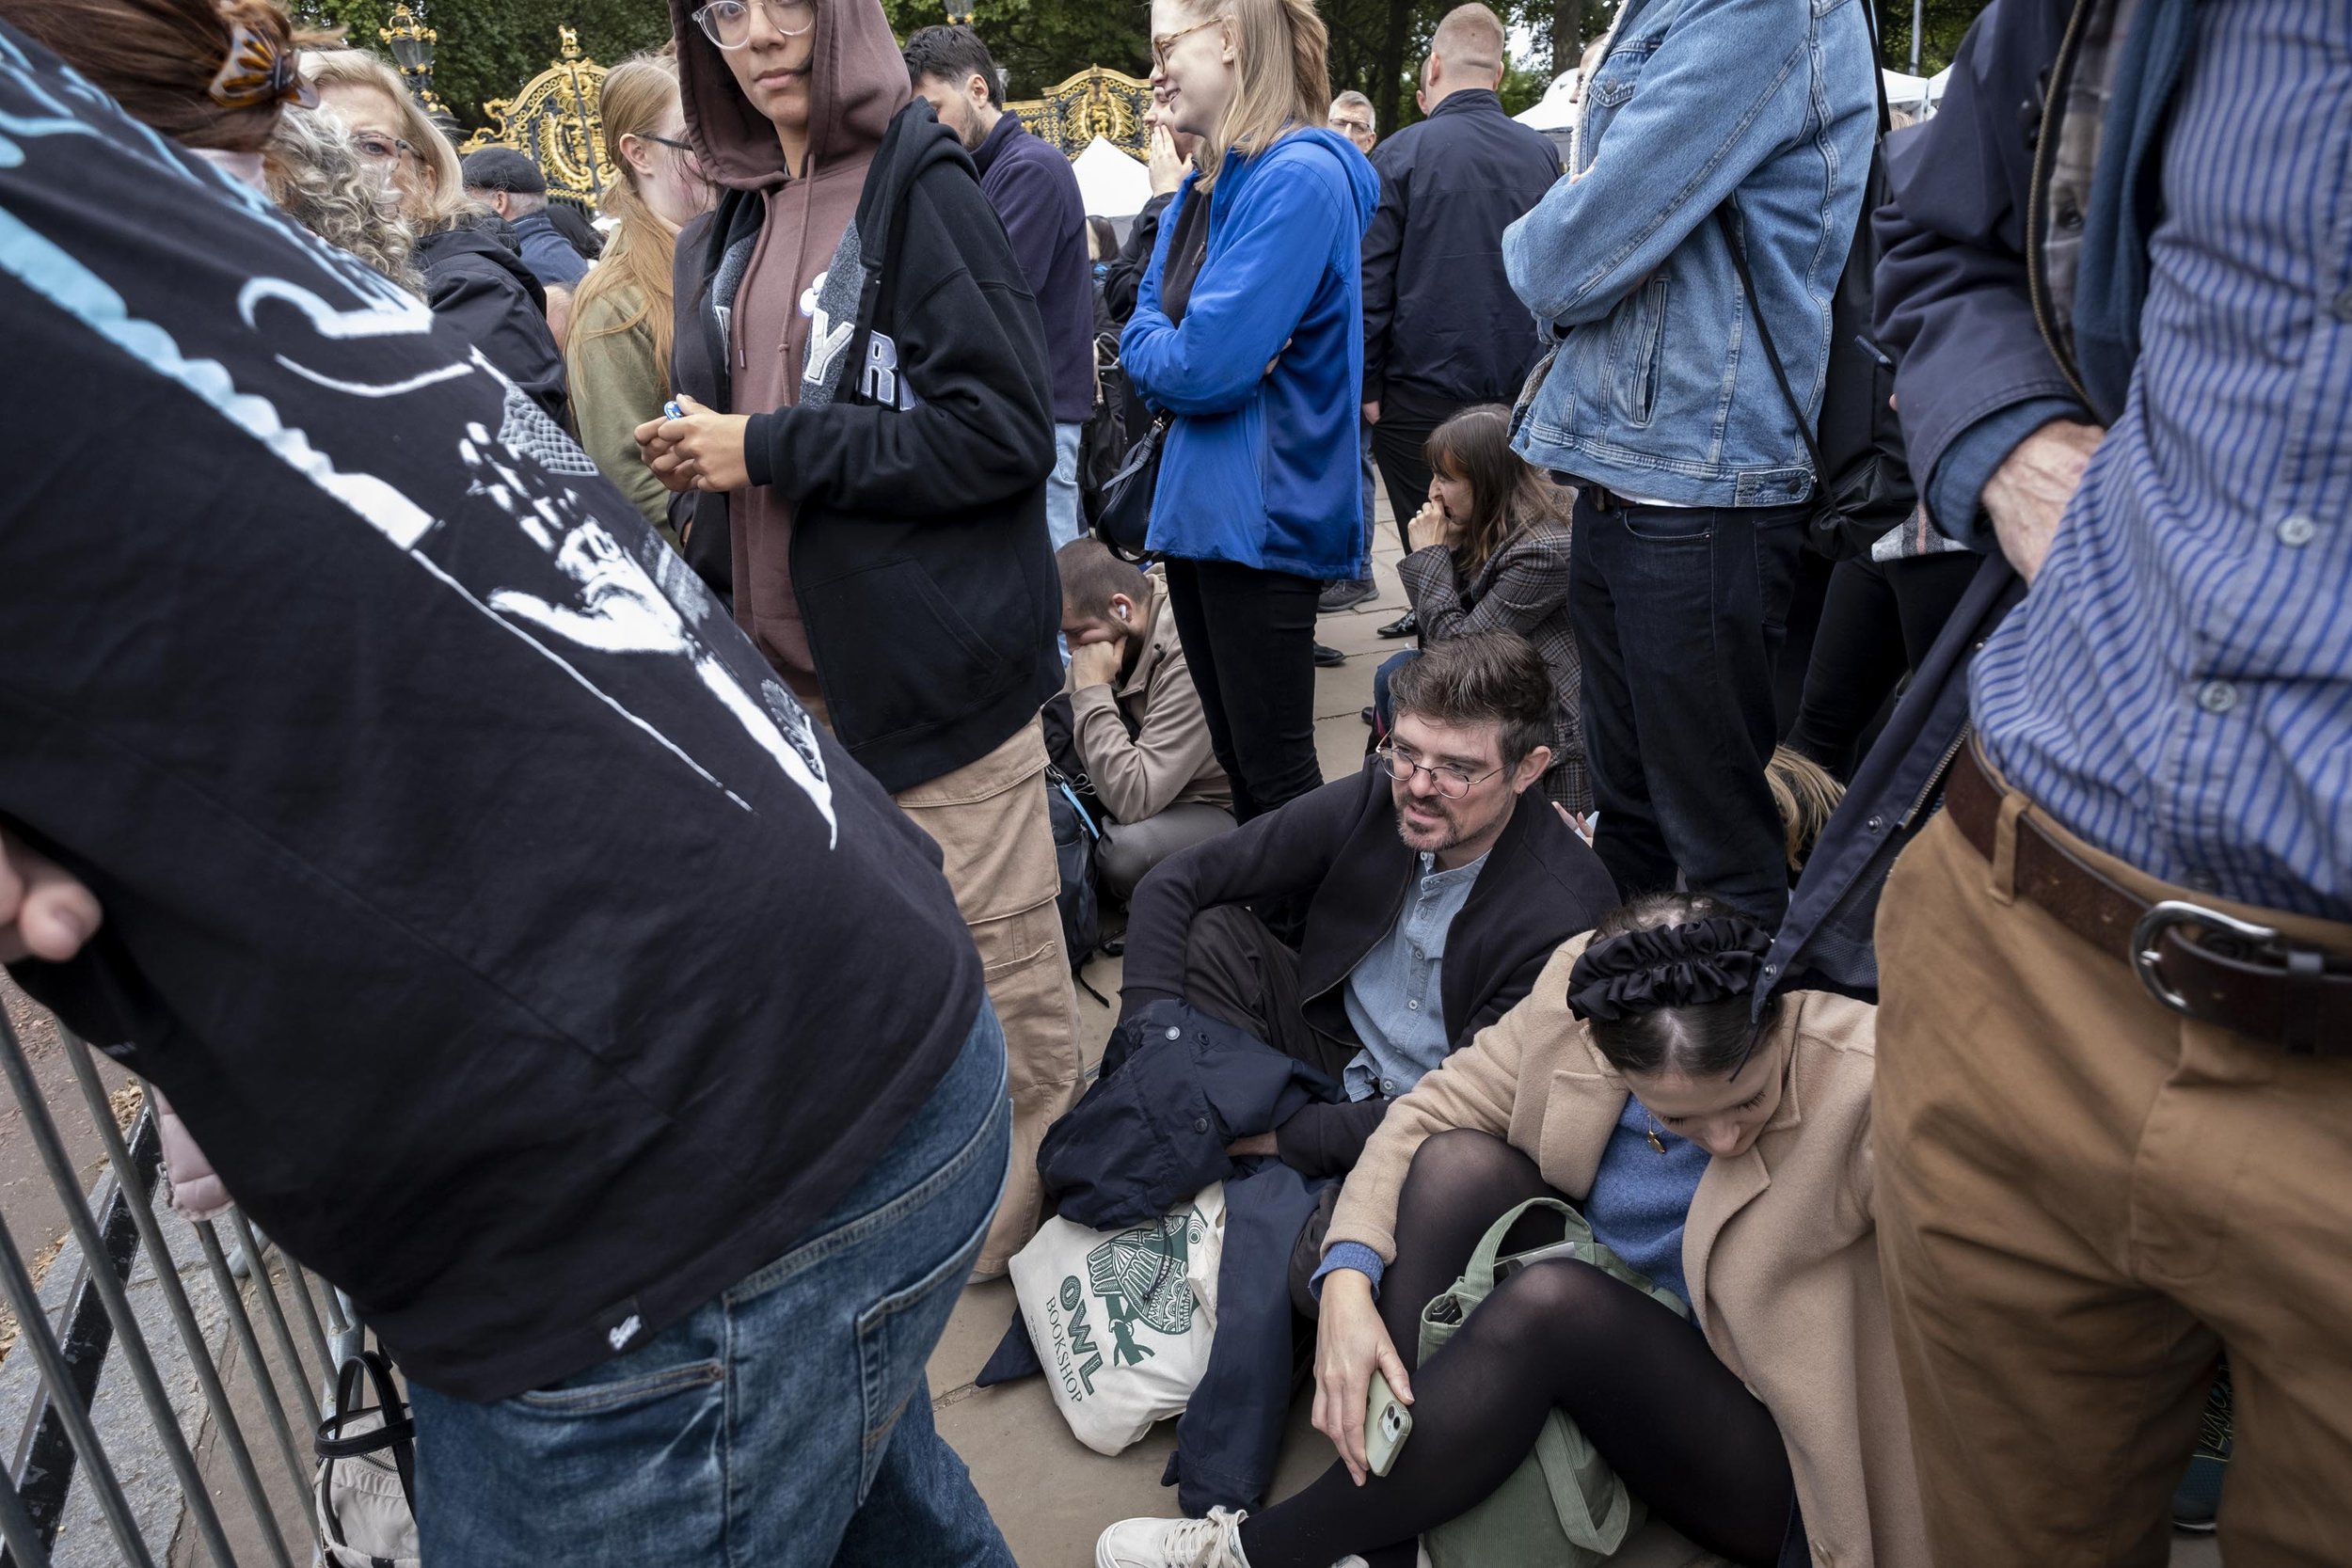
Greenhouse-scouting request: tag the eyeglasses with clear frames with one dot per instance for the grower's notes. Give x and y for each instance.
(1163, 43)
(1453, 781)
(728, 23)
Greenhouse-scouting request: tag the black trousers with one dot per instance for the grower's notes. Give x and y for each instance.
(1399, 444)
(1879, 622)
(1248, 637)
(1681, 612)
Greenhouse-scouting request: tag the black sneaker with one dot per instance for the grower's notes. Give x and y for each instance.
(2196, 1501)
(1328, 658)
(1336, 596)
(1404, 626)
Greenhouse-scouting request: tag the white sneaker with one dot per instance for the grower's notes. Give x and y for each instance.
(1211, 1543)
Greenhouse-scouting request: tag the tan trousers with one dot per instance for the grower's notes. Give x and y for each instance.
(2084, 1196)
(989, 819)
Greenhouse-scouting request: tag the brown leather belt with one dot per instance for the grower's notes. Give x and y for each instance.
(2197, 962)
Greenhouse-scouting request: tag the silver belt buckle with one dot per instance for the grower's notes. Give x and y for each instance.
(2148, 936)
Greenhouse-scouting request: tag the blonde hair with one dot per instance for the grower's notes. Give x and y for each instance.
(636, 94)
(445, 205)
(314, 174)
(1804, 794)
(1282, 55)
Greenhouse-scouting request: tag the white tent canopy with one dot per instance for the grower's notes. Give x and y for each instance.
(1114, 184)
(1556, 110)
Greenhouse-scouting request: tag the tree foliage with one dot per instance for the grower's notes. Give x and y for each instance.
(489, 48)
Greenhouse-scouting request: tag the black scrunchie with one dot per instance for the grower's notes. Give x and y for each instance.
(1669, 966)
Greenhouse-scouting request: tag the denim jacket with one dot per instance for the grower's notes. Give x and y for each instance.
(1655, 386)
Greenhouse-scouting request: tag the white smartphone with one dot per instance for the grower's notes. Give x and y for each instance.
(1387, 1424)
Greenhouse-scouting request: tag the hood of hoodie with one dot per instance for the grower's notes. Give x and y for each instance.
(857, 81)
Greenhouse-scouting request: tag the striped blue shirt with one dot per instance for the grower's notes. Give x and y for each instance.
(2177, 687)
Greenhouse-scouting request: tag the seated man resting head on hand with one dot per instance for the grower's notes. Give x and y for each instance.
(1135, 716)
(1438, 882)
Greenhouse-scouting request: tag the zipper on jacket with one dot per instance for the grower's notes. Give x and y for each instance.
(1943, 765)
(2037, 193)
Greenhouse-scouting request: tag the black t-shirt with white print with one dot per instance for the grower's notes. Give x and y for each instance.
(524, 957)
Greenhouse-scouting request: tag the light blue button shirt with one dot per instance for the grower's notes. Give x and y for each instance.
(1395, 998)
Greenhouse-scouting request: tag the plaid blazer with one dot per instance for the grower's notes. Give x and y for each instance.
(1523, 588)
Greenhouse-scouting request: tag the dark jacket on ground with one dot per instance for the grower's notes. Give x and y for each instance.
(1033, 190)
(1442, 329)
(919, 555)
(1957, 306)
(523, 957)
(475, 281)
(1177, 1087)
(1540, 886)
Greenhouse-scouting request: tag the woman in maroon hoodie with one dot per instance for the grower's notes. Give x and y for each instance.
(869, 413)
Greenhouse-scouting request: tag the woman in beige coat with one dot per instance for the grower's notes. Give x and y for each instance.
(1728, 1161)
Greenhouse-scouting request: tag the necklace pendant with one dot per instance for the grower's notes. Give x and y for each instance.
(1655, 1144)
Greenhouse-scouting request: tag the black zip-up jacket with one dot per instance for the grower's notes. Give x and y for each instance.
(920, 557)
(477, 284)
(1442, 329)
(1540, 886)
(528, 961)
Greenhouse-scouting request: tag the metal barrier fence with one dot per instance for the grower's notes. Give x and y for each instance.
(214, 1504)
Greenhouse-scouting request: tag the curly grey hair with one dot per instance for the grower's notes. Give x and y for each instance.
(315, 175)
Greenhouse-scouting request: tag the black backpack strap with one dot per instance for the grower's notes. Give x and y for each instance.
(1747, 282)
(1764, 336)
(397, 1434)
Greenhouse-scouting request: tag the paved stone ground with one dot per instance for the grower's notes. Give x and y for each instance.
(1050, 1494)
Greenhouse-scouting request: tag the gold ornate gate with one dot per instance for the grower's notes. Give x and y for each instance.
(1094, 103)
(555, 121)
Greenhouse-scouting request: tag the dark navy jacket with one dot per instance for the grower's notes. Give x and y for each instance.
(1177, 1086)
(1442, 329)
(1963, 293)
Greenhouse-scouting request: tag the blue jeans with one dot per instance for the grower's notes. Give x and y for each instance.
(1681, 612)
(785, 1424)
(1062, 523)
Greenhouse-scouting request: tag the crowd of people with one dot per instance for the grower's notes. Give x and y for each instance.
(546, 752)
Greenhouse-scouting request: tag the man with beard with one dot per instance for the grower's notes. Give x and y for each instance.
(1033, 189)
(1438, 881)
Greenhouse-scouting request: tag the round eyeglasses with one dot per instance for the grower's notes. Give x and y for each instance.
(1453, 781)
(728, 23)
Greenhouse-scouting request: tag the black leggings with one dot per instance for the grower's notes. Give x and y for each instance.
(1878, 620)
(1678, 1428)
(1249, 638)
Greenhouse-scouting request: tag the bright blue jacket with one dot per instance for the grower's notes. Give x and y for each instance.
(1263, 468)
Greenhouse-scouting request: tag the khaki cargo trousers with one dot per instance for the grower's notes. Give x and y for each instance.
(989, 819)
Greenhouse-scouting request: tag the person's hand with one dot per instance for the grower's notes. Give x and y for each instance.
(1371, 412)
(706, 449)
(45, 913)
(1257, 1143)
(1167, 170)
(1582, 827)
(659, 455)
(1093, 664)
(2028, 492)
(1351, 1342)
(1430, 526)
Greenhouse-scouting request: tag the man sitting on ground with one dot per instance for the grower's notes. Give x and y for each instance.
(1438, 880)
(1135, 719)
